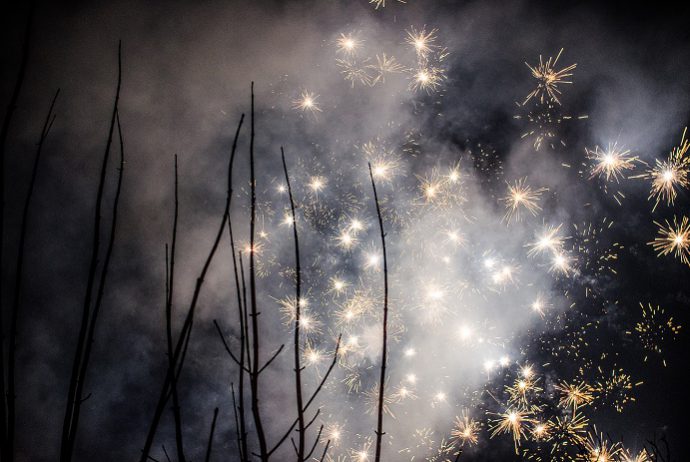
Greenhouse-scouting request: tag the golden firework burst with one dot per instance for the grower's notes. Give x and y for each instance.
(548, 79)
(673, 239)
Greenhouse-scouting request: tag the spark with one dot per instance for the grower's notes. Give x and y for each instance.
(520, 197)
(548, 79)
(673, 239)
(671, 174)
(466, 430)
(561, 263)
(421, 40)
(599, 449)
(338, 285)
(610, 163)
(348, 44)
(317, 184)
(655, 328)
(381, 3)
(575, 395)
(512, 421)
(307, 103)
(548, 240)
(385, 65)
(427, 78)
(540, 305)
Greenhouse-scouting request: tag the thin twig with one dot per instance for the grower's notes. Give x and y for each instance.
(101, 289)
(242, 428)
(177, 411)
(254, 376)
(78, 369)
(297, 346)
(7, 430)
(209, 448)
(384, 348)
(311, 399)
(185, 334)
(19, 273)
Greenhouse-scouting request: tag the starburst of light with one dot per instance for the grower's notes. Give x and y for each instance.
(548, 79)
(673, 239)
(670, 175)
(521, 197)
(610, 163)
(307, 103)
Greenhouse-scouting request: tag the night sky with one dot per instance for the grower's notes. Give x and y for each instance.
(448, 131)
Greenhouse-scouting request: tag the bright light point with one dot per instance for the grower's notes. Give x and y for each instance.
(338, 285)
(513, 417)
(317, 184)
(527, 372)
(281, 188)
(504, 361)
(373, 260)
(488, 365)
(465, 333)
(288, 219)
(356, 225)
(489, 262)
(380, 171)
(435, 294)
(440, 396)
(346, 240)
(410, 352)
(669, 176)
(411, 378)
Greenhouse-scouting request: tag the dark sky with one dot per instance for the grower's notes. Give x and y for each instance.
(187, 68)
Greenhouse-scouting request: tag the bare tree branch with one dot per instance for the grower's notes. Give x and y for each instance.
(209, 448)
(79, 366)
(19, 273)
(384, 348)
(7, 429)
(185, 334)
(297, 345)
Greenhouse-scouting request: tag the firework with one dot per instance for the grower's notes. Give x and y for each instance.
(610, 163)
(567, 431)
(615, 390)
(512, 421)
(348, 44)
(466, 430)
(421, 40)
(385, 65)
(307, 103)
(629, 456)
(521, 197)
(355, 72)
(427, 78)
(598, 449)
(574, 395)
(548, 79)
(654, 329)
(548, 239)
(673, 239)
(522, 391)
(671, 174)
(382, 3)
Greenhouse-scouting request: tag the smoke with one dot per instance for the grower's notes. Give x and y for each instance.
(462, 287)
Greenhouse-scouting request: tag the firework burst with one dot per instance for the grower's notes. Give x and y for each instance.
(548, 79)
(610, 163)
(673, 239)
(521, 198)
